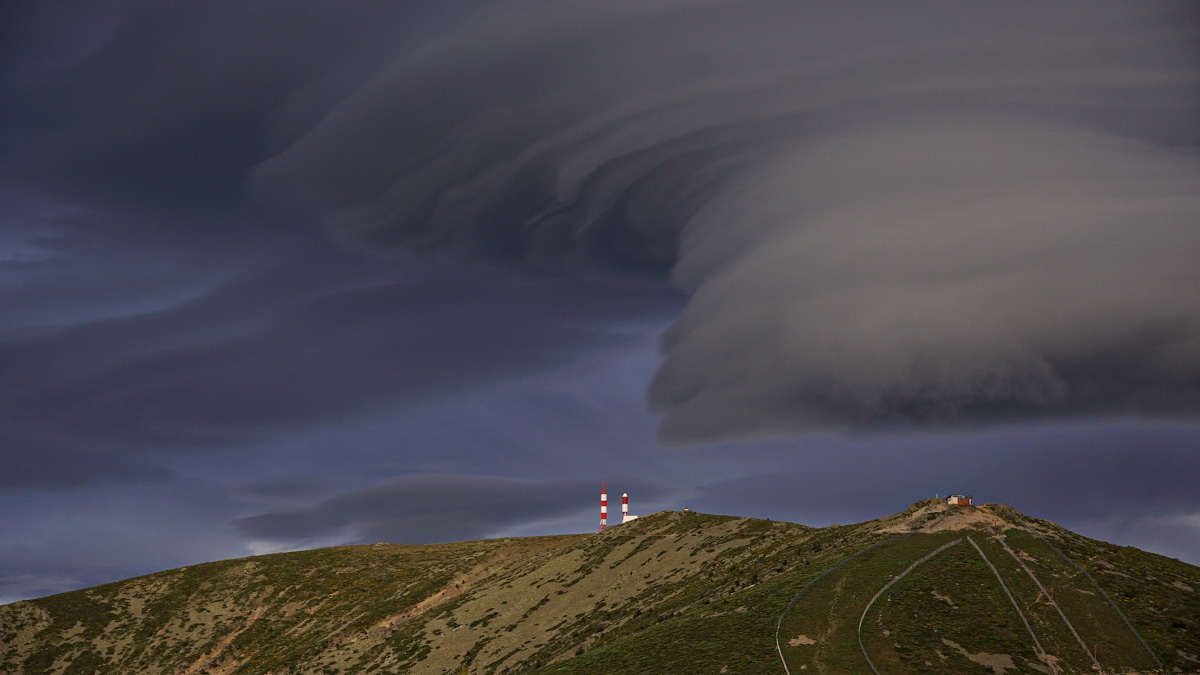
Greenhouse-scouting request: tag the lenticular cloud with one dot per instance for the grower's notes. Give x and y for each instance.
(884, 215)
(937, 272)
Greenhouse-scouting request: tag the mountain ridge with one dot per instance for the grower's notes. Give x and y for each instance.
(676, 592)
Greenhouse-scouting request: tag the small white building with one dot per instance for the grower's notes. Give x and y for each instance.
(960, 500)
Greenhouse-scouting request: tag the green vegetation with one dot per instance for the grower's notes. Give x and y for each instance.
(829, 611)
(668, 593)
(945, 612)
(1159, 595)
(1046, 623)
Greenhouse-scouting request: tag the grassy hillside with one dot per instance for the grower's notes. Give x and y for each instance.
(668, 593)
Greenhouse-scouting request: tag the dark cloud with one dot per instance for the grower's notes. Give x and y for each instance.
(299, 345)
(147, 107)
(907, 215)
(283, 489)
(882, 220)
(939, 273)
(433, 508)
(36, 462)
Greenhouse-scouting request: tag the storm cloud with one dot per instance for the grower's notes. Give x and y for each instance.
(884, 215)
(939, 273)
(305, 342)
(882, 220)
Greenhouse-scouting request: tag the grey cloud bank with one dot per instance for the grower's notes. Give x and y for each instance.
(936, 214)
(939, 273)
(306, 342)
(882, 219)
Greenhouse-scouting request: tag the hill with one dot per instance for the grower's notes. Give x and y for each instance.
(934, 589)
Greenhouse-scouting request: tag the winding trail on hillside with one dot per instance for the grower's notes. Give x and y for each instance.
(1113, 604)
(889, 584)
(1041, 652)
(1053, 603)
(831, 570)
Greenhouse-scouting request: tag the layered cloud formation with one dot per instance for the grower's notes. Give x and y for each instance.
(883, 214)
(432, 508)
(939, 272)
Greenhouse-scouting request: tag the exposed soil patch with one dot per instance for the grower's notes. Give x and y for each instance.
(944, 598)
(969, 517)
(999, 663)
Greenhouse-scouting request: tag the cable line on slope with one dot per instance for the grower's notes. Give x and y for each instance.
(888, 585)
(1053, 602)
(831, 570)
(1106, 596)
(1037, 643)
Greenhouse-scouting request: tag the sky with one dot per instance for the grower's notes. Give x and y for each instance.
(282, 274)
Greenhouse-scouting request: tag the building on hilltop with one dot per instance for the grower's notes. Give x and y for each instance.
(960, 500)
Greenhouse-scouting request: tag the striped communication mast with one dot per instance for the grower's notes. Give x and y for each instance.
(603, 507)
(624, 507)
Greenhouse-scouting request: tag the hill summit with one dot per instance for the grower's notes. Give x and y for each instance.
(933, 589)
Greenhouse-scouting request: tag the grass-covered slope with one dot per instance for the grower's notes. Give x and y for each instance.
(669, 593)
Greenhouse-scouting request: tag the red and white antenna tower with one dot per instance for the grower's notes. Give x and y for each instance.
(603, 507)
(624, 507)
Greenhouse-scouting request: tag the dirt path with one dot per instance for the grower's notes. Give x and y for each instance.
(831, 612)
